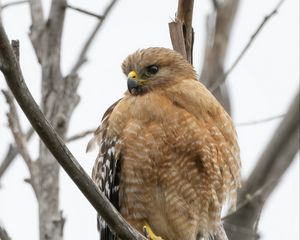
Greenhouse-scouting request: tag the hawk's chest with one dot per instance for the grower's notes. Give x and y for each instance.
(139, 112)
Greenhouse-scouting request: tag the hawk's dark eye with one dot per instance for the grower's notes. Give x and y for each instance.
(152, 69)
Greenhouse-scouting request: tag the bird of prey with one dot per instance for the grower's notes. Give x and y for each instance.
(169, 156)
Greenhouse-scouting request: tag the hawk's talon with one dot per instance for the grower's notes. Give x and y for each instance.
(149, 234)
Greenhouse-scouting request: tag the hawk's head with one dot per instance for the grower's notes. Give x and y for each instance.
(155, 68)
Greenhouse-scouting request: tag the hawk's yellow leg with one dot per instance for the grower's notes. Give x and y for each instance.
(149, 233)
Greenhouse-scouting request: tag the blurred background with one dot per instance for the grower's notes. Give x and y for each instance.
(261, 86)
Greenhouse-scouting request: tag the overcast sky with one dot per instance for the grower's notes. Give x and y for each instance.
(261, 86)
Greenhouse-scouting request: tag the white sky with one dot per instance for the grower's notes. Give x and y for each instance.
(262, 85)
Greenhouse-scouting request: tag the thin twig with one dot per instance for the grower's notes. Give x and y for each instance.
(20, 139)
(16, 129)
(10, 4)
(82, 56)
(84, 11)
(247, 46)
(80, 135)
(12, 152)
(264, 120)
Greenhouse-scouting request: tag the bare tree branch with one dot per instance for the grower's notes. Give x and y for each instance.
(272, 164)
(36, 30)
(222, 79)
(84, 11)
(14, 122)
(3, 234)
(16, 129)
(10, 4)
(219, 25)
(12, 152)
(264, 120)
(215, 4)
(181, 30)
(20, 139)
(82, 56)
(15, 81)
(81, 135)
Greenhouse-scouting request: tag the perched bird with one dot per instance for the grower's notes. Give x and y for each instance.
(169, 156)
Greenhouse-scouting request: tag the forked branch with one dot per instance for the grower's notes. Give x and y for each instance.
(181, 30)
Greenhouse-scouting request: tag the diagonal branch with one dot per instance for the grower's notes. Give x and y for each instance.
(266, 19)
(12, 151)
(264, 120)
(82, 56)
(3, 234)
(274, 160)
(84, 11)
(10, 4)
(272, 164)
(15, 81)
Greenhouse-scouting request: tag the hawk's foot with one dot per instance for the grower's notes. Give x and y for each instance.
(149, 234)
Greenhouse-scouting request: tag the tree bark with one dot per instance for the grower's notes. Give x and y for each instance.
(219, 25)
(181, 30)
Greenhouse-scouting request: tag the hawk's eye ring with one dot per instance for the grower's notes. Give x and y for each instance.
(152, 69)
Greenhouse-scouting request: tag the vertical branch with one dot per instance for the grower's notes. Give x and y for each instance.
(181, 30)
(53, 104)
(37, 26)
(219, 25)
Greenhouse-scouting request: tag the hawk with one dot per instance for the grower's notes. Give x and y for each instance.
(169, 156)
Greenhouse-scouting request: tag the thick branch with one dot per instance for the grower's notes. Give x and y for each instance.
(219, 25)
(272, 164)
(55, 144)
(181, 30)
(3, 234)
(82, 56)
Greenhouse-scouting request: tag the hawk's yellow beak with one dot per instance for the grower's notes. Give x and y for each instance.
(134, 83)
(132, 75)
